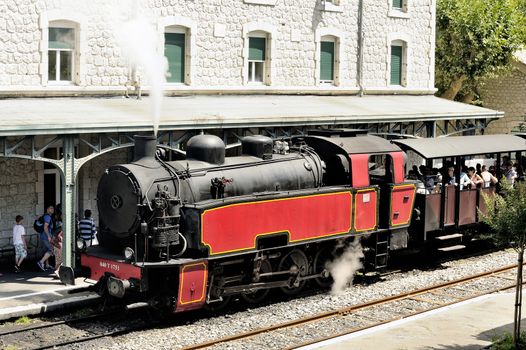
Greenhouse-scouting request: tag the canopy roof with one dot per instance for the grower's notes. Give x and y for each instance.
(462, 145)
(359, 144)
(39, 116)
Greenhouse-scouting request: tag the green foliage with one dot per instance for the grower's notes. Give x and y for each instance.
(476, 38)
(23, 320)
(508, 217)
(505, 342)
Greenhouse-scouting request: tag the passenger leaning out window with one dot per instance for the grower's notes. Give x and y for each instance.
(474, 178)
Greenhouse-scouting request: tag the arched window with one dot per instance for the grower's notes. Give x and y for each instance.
(328, 63)
(62, 52)
(398, 63)
(329, 52)
(258, 58)
(177, 53)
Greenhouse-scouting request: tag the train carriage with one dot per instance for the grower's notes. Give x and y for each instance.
(445, 215)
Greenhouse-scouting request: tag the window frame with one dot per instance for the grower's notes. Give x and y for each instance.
(332, 39)
(398, 12)
(74, 51)
(252, 63)
(403, 63)
(178, 29)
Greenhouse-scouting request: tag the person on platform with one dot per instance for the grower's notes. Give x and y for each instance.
(19, 242)
(88, 229)
(45, 237)
(57, 249)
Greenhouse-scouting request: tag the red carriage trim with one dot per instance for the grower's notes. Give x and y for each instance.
(236, 227)
(196, 276)
(100, 266)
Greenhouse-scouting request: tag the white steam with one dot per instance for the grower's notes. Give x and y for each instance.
(139, 43)
(344, 267)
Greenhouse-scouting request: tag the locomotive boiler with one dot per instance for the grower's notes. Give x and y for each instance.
(144, 204)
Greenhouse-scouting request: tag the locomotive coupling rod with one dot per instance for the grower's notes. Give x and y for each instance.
(253, 287)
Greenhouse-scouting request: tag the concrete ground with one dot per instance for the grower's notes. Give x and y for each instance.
(36, 292)
(468, 325)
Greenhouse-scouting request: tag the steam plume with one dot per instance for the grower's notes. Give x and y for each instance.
(344, 267)
(139, 44)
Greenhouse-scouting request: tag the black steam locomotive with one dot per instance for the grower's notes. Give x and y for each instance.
(192, 233)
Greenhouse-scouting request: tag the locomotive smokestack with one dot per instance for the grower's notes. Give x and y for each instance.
(145, 147)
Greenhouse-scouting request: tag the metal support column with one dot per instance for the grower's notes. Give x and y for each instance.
(69, 173)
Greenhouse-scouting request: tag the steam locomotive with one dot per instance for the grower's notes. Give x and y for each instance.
(193, 233)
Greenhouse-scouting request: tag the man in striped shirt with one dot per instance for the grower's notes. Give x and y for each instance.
(88, 229)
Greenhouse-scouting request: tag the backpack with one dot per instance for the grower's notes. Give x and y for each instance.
(38, 225)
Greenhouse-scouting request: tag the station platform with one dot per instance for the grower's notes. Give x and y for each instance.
(37, 292)
(467, 325)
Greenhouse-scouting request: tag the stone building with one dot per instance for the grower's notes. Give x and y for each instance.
(319, 56)
(507, 93)
(70, 47)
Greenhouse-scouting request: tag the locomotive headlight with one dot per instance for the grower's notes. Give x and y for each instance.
(81, 244)
(128, 253)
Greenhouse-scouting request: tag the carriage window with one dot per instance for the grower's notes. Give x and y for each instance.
(379, 168)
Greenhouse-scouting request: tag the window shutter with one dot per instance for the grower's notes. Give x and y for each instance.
(174, 50)
(256, 49)
(327, 60)
(397, 4)
(396, 65)
(61, 38)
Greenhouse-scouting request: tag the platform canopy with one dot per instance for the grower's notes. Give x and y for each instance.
(36, 116)
(444, 147)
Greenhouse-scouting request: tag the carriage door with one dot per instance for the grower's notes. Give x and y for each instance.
(401, 193)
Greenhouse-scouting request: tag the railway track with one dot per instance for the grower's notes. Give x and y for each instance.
(310, 330)
(48, 335)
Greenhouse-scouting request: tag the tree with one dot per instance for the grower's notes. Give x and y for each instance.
(506, 215)
(475, 39)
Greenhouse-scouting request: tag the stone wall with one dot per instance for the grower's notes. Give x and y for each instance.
(20, 190)
(218, 42)
(89, 177)
(507, 94)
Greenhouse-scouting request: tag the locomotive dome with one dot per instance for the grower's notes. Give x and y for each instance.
(206, 148)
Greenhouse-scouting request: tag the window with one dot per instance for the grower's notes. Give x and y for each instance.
(396, 64)
(397, 4)
(327, 62)
(331, 5)
(398, 8)
(175, 51)
(61, 52)
(256, 59)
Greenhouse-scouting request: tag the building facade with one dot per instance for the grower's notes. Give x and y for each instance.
(308, 46)
(507, 93)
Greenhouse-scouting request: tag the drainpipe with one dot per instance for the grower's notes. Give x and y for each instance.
(361, 35)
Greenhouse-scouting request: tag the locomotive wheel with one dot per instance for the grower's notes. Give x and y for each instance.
(258, 295)
(323, 256)
(295, 260)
